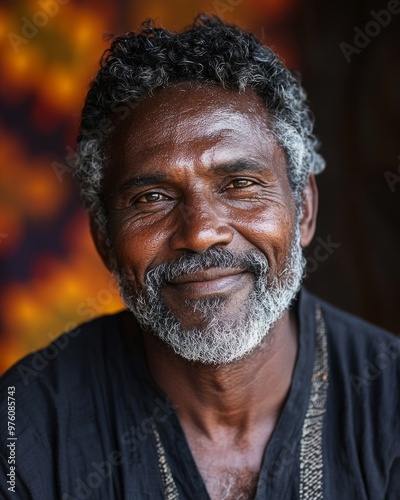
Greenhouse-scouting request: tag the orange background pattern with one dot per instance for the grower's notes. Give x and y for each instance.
(52, 276)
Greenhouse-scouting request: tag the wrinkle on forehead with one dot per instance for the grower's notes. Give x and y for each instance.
(185, 112)
(214, 122)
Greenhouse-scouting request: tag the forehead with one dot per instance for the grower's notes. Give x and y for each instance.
(206, 122)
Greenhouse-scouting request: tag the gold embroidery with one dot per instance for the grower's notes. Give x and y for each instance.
(170, 489)
(311, 455)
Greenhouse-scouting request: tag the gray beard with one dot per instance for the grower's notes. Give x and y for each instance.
(220, 340)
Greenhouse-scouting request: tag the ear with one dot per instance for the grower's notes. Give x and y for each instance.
(101, 244)
(310, 209)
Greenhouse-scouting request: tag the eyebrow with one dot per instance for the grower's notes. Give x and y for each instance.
(231, 167)
(143, 181)
(240, 165)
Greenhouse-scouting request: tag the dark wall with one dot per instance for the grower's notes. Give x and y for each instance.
(355, 95)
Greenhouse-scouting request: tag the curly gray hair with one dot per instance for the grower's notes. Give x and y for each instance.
(209, 51)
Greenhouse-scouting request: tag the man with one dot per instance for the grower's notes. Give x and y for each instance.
(223, 379)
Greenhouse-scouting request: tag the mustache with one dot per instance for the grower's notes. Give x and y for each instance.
(252, 261)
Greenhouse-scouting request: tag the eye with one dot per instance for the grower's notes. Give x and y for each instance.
(152, 197)
(239, 183)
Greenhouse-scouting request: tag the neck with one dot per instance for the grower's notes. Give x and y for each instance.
(237, 396)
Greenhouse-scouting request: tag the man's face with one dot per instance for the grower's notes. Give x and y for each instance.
(202, 220)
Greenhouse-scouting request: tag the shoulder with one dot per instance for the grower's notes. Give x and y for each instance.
(76, 348)
(354, 338)
(57, 380)
(363, 406)
(362, 357)
(61, 394)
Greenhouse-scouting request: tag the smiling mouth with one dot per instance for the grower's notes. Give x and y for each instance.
(208, 282)
(206, 275)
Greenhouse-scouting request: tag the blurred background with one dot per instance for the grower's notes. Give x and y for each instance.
(348, 55)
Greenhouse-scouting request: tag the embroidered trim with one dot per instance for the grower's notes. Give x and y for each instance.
(170, 489)
(311, 455)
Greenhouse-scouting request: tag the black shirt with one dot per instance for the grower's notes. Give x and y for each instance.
(91, 424)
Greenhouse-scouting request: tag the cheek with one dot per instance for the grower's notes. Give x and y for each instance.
(137, 249)
(271, 232)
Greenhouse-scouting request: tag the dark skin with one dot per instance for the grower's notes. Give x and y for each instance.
(193, 168)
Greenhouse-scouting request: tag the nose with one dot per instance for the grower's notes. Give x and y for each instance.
(199, 227)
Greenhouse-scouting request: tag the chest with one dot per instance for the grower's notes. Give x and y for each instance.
(228, 469)
(231, 484)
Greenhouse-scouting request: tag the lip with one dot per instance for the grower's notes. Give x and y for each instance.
(212, 274)
(214, 281)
